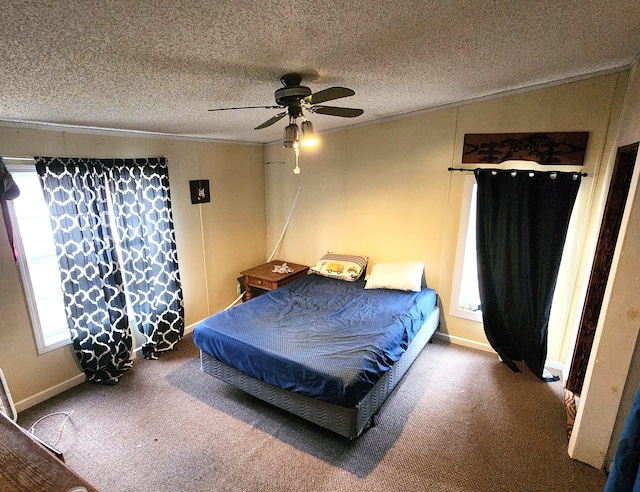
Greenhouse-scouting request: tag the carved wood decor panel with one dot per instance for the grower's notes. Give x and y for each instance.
(556, 148)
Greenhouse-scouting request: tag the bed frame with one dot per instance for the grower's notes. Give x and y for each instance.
(348, 422)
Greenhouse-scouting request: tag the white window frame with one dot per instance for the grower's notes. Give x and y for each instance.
(454, 308)
(28, 165)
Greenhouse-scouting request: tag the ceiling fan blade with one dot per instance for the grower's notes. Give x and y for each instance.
(329, 95)
(246, 107)
(271, 120)
(336, 111)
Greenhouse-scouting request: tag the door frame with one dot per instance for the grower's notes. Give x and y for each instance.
(617, 196)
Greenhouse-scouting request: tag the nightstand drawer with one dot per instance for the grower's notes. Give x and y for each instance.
(261, 283)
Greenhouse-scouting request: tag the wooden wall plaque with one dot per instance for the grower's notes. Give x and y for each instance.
(556, 148)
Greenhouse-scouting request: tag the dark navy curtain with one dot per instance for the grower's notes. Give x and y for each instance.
(521, 226)
(75, 191)
(625, 471)
(8, 191)
(114, 234)
(142, 211)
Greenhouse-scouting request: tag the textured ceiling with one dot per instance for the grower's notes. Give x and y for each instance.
(158, 65)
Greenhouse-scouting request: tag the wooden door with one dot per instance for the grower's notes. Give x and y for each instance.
(611, 220)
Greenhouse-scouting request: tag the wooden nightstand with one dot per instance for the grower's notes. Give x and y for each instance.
(263, 277)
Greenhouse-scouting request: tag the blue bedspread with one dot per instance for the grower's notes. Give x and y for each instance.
(324, 338)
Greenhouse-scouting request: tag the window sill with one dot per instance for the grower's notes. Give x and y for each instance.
(470, 315)
(54, 346)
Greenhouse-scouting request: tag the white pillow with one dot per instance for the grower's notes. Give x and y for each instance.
(400, 275)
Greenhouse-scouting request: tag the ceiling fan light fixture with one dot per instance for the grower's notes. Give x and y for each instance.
(291, 136)
(309, 137)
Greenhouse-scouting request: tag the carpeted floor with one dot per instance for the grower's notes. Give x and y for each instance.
(459, 421)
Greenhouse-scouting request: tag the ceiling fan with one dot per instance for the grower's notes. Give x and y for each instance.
(294, 98)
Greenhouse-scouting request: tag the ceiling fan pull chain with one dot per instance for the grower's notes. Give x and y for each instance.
(296, 170)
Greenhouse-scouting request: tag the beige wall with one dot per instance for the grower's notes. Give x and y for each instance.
(215, 241)
(384, 190)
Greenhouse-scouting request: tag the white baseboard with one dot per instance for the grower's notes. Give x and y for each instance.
(49, 393)
(189, 328)
(553, 364)
(70, 383)
(80, 378)
(485, 347)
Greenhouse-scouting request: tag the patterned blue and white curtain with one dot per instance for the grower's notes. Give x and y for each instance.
(86, 197)
(142, 209)
(76, 193)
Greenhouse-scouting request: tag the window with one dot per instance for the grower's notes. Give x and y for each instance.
(465, 298)
(37, 259)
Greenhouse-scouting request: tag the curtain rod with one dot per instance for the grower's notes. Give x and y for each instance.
(527, 170)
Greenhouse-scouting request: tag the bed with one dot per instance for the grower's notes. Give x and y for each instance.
(327, 350)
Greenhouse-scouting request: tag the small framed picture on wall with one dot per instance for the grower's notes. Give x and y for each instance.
(200, 191)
